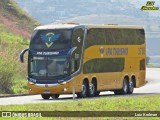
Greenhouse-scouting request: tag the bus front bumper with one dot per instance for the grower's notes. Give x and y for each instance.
(65, 88)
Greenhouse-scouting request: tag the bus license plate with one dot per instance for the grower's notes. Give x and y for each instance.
(47, 92)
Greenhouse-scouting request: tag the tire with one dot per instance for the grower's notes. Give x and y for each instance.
(84, 91)
(54, 96)
(97, 93)
(45, 96)
(117, 92)
(131, 87)
(124, 89)
(92, 89)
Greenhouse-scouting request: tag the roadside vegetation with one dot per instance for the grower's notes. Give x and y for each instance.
(119, 103)
(12, 73)
(15, 31)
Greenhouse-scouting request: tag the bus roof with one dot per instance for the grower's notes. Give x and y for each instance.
(89, 26)
(114, 26)
(57, 26)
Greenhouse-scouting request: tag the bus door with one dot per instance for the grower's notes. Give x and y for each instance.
(77, 43)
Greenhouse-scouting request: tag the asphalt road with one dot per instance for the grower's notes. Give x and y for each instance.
(152, 87)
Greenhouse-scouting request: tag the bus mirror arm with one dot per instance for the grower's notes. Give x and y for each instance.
(22, 55)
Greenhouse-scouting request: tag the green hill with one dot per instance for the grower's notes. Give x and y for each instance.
(16, 20)
(15, 30)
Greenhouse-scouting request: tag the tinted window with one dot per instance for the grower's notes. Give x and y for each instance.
(51, 40)
(47, 66)
(95, 37)
(142, 64)
(114, 36)
(124, 36)
(104, 65)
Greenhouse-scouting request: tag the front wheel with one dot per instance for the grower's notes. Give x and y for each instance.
(83, 93)
(54, 96)
(45, 96)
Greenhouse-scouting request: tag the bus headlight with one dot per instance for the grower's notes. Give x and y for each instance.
(65, 89)
(64, 83)
(31, 83)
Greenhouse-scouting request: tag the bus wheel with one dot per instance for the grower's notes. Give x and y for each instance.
(131, 87)
(92, 89)
(54, 96)
(125, 87)
(117, 92)
(45, 96)
(97, 93)
(83, 93)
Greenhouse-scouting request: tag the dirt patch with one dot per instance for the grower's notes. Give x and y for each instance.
(12, 24)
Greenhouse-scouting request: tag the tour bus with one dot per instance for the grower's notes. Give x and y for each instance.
(85, 59)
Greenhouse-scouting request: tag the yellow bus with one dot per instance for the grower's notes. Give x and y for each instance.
(85, 59)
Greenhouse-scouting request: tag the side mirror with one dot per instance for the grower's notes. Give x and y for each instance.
(22, 55)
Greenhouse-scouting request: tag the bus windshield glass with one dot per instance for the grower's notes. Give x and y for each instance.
(46, 40)
(47, 66)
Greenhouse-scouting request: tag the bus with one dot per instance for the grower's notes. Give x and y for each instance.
(85, 59)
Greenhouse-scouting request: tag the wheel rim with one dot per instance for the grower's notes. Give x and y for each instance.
(92, 89)
(125, 87)
(83, 90)
(131, 86)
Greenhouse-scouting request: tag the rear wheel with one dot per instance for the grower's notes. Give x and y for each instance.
(97, 93)
(117, 92)
(92, 89)
(131, 87)
(124, 89)
(45, 96)
(83, 93)
(54, 96)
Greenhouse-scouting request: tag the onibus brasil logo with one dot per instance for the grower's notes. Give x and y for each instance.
(49, 38)
(150, 6)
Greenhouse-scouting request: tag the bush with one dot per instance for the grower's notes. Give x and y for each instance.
(12, 73)
(7, 70)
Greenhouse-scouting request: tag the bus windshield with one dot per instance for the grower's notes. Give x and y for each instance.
(47, 66)
(46, 40)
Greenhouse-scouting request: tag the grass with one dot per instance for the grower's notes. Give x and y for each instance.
(120, 103)
(12, 72)
(11, 38)
(20, 85)
(12, 42)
